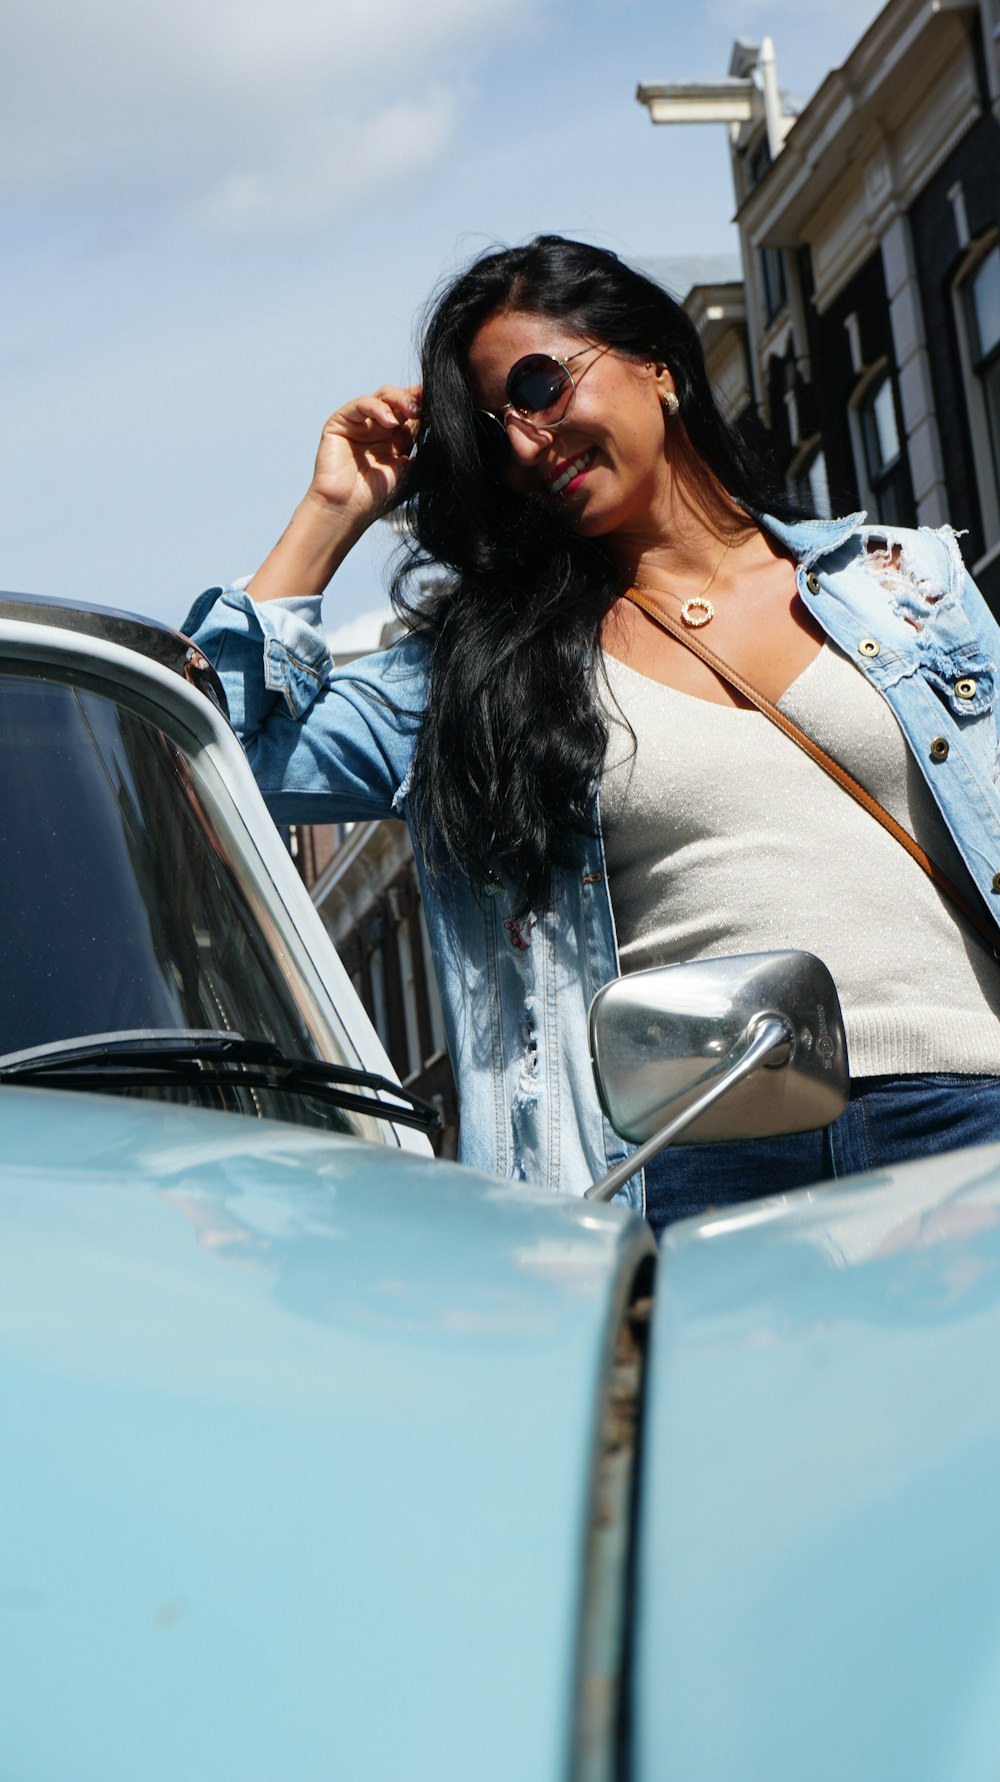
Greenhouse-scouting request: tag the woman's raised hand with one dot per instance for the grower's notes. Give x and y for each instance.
(363, 454)
(364, 450)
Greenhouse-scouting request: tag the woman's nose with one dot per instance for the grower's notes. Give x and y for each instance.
(527, 441)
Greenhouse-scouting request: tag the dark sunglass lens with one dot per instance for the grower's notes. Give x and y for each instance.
(539, 388)
(494, 447)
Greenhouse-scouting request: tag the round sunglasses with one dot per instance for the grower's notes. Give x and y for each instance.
(541, 391)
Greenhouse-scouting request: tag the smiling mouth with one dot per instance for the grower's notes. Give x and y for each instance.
(569, 471)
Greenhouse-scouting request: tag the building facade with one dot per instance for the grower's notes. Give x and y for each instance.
(869, 226)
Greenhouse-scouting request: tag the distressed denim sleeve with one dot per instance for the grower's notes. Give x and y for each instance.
(326, 745)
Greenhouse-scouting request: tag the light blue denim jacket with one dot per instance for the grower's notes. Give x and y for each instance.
(336, 744)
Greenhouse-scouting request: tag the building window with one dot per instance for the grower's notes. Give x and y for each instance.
(408, 986)
(808, 481)
(981, 292)
(880, 433)
(760, 161)
(882, 466)
(977, 306)
(773, 283)
(434, 1008)
(379, 1009)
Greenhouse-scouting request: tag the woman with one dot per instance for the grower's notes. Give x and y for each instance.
(568, 450)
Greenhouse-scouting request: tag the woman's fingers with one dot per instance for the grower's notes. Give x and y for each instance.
(387, 409)
(365, 448)
(404, 402)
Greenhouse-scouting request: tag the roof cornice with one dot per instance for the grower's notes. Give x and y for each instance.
(899, 57)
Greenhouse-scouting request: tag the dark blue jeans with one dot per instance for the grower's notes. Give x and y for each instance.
(886, 1121)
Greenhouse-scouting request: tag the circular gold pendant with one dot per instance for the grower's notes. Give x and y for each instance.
(698, 612)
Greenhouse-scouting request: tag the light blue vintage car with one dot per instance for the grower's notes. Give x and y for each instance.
(324, 1459)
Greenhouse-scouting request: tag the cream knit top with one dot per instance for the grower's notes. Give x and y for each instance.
(723, 837)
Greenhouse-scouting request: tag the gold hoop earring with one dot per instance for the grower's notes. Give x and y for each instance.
(670, 403)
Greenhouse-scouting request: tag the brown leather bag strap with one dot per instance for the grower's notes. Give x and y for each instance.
(733, 678)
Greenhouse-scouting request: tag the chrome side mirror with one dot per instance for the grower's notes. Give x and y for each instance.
(762, 1034)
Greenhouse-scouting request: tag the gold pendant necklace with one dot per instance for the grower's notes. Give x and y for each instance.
(697, 611)
(692, 616)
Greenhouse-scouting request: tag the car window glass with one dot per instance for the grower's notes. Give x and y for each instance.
(123, 909)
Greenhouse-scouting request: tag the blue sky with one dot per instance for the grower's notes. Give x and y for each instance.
(221, 219)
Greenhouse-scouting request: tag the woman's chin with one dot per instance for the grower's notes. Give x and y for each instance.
(585, 525)
(593, 521)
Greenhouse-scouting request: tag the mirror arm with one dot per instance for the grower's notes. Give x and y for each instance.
(769, 1035)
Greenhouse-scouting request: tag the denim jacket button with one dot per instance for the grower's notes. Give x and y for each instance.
(813, 583)
(966, 687)
(996, 881)
(869, 646)
(939, 749)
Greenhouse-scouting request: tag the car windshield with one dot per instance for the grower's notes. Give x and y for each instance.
(124, 909)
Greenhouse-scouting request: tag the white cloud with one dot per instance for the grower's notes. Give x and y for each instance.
(328, 165)
(248, 112)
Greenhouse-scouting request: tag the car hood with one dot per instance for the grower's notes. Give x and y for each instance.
(820, 1555)
(296, 1450)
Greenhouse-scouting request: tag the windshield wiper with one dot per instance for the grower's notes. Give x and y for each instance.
(208, 1058)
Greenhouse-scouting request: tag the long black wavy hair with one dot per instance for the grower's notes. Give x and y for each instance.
(513, 738)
